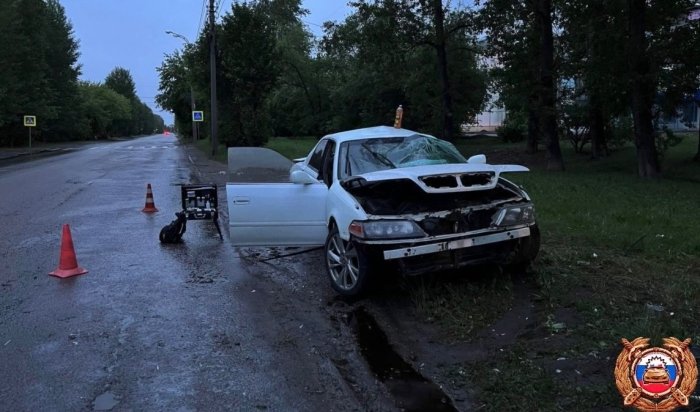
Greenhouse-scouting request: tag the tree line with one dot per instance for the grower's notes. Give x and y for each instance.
(39, 76)
(609, 68)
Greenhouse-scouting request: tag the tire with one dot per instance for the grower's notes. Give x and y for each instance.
(525, 252)
(347, 265)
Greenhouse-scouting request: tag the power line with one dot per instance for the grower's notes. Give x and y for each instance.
(313, 24)
(201, 18)
(217, 9)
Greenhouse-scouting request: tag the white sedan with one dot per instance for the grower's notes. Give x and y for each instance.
(382, 196)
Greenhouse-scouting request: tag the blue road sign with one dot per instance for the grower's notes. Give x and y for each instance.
(197, 116)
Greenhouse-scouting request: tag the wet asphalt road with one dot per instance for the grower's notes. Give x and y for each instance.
(150, 327)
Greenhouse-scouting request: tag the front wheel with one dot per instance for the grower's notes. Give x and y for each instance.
(525, 252)
(347, 266)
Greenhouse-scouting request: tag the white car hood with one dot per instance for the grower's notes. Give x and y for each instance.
(457, 177)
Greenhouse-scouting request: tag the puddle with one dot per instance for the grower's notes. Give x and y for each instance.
(410, 390)
(105, 402)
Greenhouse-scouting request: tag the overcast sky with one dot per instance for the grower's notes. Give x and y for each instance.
(131, 34)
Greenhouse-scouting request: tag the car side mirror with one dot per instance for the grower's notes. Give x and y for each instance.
(301, 177)
(477, 159)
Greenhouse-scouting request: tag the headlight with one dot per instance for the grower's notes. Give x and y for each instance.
(386, 229)
(514, 215)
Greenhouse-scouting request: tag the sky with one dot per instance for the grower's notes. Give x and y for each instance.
(131, 34)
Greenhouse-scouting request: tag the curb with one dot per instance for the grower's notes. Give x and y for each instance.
(20, 154)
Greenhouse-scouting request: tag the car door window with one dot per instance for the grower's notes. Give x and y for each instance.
(328, 159)
(316, 159)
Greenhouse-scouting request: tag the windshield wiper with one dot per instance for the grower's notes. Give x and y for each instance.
(379, 156)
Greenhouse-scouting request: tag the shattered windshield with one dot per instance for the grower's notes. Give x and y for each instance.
(370, 155)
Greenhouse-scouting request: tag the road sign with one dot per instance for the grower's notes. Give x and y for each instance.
(197, 116)
(30, 121)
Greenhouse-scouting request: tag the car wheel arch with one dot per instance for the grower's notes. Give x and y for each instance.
(332, 223)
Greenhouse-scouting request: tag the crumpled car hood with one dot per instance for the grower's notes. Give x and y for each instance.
(446, 178)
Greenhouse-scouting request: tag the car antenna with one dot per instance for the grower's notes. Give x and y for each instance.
(399, 117)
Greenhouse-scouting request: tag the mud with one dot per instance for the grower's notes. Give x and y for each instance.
(410, 390)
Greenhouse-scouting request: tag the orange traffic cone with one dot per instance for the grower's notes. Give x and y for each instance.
(67, 263)
(150, 206)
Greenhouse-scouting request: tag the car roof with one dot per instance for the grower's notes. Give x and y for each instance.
(372, 133)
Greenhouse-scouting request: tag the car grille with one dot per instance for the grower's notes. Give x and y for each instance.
(457, 222)
(457, 180)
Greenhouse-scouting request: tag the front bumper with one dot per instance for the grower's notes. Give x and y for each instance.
(446, 243)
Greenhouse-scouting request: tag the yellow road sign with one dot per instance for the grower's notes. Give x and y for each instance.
(30, 121)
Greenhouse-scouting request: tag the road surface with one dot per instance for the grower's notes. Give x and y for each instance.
(151, 327)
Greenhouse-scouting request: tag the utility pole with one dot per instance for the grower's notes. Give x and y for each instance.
(212, 67)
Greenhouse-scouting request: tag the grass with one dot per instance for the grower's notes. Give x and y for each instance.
(205, 146)
(292, 147)
(289, 147)
(620, 258)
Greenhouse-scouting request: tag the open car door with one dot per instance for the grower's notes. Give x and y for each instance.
(265, 209)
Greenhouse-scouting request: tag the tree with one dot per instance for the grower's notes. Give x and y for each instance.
(548, 109)
(384, 55)
(521, 40)
(174, 90)
(28, 87)
(103, 109)
(141, 119)
(62, 58)
(513, 44)
(642, 89)
(247, 51)
(595, 55)
(430, 23)
(120, 80)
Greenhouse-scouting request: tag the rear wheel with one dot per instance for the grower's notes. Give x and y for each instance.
(346, 264)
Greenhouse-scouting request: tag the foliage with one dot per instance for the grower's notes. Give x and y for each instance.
(104, 108)
(511, 132)
(273, 79)
(39, 76)
(174, 90)
(247, 59)
(666, 140)
(120, 80)
(574, 126)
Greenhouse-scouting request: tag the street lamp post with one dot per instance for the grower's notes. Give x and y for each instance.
(195, 125)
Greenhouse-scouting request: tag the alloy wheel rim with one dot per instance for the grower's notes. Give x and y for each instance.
(343, 263)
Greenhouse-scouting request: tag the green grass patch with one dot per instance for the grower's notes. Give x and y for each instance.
(462, 306)
(620, 258)
(292, 147)
(205, 146)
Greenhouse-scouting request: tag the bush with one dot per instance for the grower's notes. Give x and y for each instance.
(621, 132)
(665, 140)
(511, 133)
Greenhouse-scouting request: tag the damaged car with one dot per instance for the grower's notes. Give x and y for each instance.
(378, 198)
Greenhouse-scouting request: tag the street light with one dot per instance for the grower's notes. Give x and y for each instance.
(195, 125)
